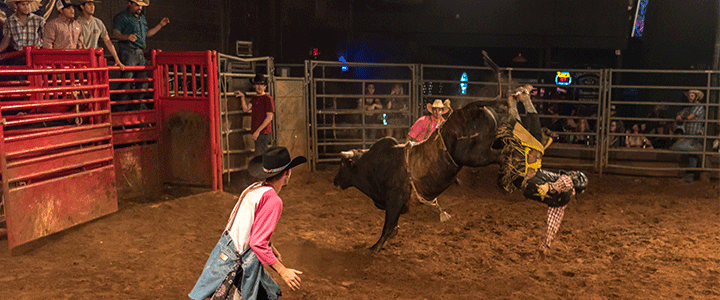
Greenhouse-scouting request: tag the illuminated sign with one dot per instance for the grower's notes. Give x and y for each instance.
(463, 83)
(342, 59)
(563, 78)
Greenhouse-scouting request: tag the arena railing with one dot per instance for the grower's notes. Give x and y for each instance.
(634, 95)
(56, 151)
(340, 120)
(134, 116)
(235, 74)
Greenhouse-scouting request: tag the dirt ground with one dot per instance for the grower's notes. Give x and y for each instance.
(624, 238)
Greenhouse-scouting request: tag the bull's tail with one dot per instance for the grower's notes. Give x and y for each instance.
(490, 63)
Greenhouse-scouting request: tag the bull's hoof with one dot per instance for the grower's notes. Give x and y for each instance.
(374, 249)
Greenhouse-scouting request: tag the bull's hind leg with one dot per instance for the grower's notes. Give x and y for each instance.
(392, 215)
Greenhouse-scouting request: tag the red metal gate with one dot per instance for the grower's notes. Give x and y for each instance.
(56, 151)
(186, 84)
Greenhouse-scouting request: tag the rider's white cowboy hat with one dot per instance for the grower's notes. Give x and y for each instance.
(439, 104)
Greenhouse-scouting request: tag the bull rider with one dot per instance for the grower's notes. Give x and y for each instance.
(524, 146)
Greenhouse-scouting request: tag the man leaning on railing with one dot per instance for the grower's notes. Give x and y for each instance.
(690, 121)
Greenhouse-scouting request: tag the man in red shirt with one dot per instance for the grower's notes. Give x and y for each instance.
(262, 109)
(425, 125)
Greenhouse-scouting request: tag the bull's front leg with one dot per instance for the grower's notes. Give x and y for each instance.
(392, 215)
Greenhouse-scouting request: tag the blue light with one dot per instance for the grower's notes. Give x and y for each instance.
(463, 83)
(639, 24)
(343, 68)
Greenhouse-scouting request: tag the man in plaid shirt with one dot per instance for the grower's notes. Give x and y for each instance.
(23, 28)
(524, 149)
(691, 118)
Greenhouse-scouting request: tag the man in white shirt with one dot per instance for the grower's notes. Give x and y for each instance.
(93, 30)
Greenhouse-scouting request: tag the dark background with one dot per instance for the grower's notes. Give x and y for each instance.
(560, 33)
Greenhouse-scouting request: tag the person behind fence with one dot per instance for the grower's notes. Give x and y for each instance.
(617, 129)
(94, 30)
(398, 118)
(236, 263)
(635, 138)
(23, 28)
(63, 32)
(131, 29)
(690, 122)
(262, 110)
(425, 125)
(369, 104)
(523, 150)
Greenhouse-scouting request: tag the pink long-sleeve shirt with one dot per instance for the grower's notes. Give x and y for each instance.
(419, 130)
(254, 223)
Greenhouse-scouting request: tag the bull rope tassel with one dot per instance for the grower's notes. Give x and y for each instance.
(444, 216)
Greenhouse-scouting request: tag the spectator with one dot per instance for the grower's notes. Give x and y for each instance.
(93, 30)
(368, 104)
(21, 29)
(582, 133)
(63, 32)
(636, 138)
(262, 109)
(617, 139)
(691, 121)
(130, 29)
(397, 119)
(425, 125)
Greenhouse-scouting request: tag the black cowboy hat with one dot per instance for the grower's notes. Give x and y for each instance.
(273, 162)
(259, 79)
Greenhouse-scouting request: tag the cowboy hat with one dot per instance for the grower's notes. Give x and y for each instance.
(141, 2)
(274, 161)
(439, 104)
(34, 4)
(259, 79)
(62, 4)
(698, 94)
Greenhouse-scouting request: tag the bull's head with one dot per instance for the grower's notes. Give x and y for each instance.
(345, 174)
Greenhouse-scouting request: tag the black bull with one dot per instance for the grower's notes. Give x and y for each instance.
(388, 172)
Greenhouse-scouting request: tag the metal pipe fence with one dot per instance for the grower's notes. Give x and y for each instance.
(235, 74)
(352, 105)
(582, 111)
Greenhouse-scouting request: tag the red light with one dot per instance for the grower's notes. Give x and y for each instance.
(315, 51)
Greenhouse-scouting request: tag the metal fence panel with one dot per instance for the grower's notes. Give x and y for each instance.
(189, 118)
(235, 74)
(56, 151)
(352, 105)
(651, 101)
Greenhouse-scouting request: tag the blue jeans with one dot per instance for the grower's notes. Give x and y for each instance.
(131, 57)
(262, 143)
(221, 260)
(689, 144)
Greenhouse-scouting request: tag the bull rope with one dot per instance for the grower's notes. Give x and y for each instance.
(444, 216)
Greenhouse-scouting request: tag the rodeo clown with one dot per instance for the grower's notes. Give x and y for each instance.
(525, 144)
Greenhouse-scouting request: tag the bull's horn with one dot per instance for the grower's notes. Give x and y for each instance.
(347, 154)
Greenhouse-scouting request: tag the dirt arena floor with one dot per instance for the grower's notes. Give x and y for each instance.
(624, 238)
